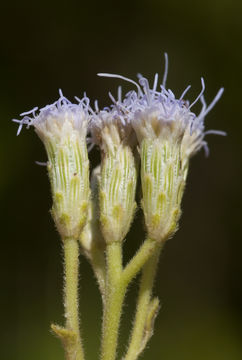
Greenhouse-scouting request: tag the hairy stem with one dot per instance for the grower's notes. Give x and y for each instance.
(71, 253)
(144, 253)
(113, 301)
(117, 281)
(97, 261)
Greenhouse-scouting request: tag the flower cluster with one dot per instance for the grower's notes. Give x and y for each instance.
(168, 133)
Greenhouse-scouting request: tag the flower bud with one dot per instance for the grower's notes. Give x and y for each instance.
(118, 173)
(169, 134)
(62, 127)
(91, 238)
(163, 182)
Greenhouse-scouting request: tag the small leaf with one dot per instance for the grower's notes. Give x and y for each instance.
(152, 312)
(68, 339)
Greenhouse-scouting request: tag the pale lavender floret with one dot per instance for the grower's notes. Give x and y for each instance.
(56, 110)
(26, 119)
(163, 103)
(111, 126)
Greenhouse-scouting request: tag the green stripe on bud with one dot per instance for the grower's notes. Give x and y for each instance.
(68, 168)
(163, 180)
(117, 192)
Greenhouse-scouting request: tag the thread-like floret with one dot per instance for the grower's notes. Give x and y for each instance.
(111, 126)
(57, 119)
(158, 113)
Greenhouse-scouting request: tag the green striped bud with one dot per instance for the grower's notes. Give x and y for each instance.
(118, 177)
(91, 238)
(163, 181)
(63, 128)
(68, 169)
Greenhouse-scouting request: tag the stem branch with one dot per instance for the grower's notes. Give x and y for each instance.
(144, 298)
(140, 258)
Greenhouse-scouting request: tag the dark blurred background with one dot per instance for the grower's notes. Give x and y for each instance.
(51, 44)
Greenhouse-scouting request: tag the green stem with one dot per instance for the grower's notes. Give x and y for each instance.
(144, 253)
(97, 261)
(144, 298)
(71, 254)
(115, 292)
(117, 281)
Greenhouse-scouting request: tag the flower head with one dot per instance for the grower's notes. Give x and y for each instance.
(113, 132)
(110, 127)
(57, 120)
(62, 126)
